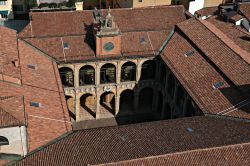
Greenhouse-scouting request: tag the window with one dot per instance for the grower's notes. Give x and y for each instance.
(30, 66)
(140, 0)
(108, 46)
(2, 3)
(142, 40)
(35, 104)
(189, 53)
(4, 141)
(66, 45)
(218, 85)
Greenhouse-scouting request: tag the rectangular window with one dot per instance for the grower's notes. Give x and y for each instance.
(139, 0)
(35, 104)
(66, 45)
(2, 3)
(30, 66)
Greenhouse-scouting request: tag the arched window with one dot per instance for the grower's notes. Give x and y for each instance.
(108, 73)
(148, 70)
(86, 75)
(4, 141)
(171, 85)
(128, 72)
(67, 76)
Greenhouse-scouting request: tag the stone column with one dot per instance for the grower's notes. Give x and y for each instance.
(97, 105)
(97, 74)
(76, 76)
(117, 104)
(138, 71)
(118, 73)
(77, 107)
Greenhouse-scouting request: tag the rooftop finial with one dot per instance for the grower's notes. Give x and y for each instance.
(109, 11)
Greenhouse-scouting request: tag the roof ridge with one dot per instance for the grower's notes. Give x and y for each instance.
(226, 40)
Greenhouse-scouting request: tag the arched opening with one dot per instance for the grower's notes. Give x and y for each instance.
(86, 75)
(163, 75)
(87, 102)
(127, 101)
(107, 102)
(148, 70)
(3, 141)
(67, 76)
(171, 85)
(179, 104)
(128, 72)
(160, 102)
(71, 106)
(190, 110)
(108, 73)
(146, 100)
(167, 112)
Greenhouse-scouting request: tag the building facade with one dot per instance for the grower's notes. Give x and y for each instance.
(6, 9)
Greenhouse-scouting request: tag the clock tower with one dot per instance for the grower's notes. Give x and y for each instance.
(107, 35)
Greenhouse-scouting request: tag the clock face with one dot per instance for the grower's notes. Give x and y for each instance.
(108, 46)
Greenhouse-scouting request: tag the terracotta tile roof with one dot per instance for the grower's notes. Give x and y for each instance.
(53, 110)
(227, 155)
(207, 11)
(8, 54)
(80, 22)
(218, 52)
(197, 74)
(237, 34)
(50, 31)
(12, 111)
(245, 9)
(121, 143)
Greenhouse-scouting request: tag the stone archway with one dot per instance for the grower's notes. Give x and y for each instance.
(146, 99)
(107, 103)
(67, 76)
(148, 70)
(126, 101)
(88, 103)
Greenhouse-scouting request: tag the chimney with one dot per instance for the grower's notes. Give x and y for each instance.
(79, 6)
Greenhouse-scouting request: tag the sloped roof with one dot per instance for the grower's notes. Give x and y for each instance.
(121, 143)
(11, 111)
(212, 62)
(51, 29)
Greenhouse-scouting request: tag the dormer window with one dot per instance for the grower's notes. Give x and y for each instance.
(65, 45)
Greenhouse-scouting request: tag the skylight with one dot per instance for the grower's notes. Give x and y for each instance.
(189, 53)
(66, 45)
(142, 40)
(218, 85)
(35, 104)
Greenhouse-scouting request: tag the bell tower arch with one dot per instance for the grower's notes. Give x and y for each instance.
(107, 35)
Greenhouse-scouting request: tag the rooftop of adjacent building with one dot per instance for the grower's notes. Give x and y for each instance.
(202, 135)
